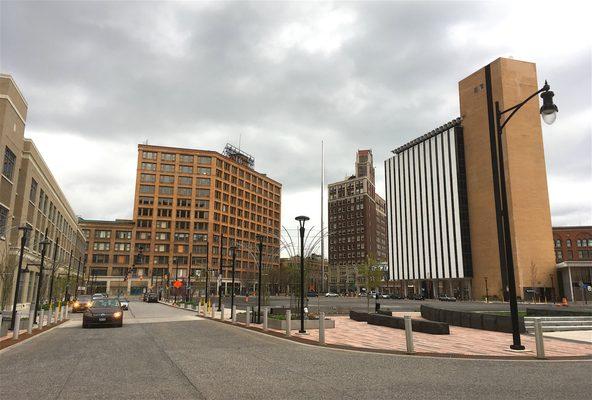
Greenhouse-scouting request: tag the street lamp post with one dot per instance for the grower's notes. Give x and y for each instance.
(301, 220)
(53, 268)
(77, 278)
(43, 244)
(233, 248)
(548, 112)
(552, 288)
(25, 230)
(67, 294)
(260, 244)
(207, 271)
(486, 291)
(188, 288)
(176, 277)
(220, 275)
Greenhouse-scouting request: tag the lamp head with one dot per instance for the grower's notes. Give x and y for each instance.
(549, 109)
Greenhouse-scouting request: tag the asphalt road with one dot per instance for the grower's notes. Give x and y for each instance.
(164, 353)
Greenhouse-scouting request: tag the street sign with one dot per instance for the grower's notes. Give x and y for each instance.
(589, 288)
(178, 284)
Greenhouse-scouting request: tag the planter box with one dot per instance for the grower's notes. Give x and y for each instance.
(434, 328)
(280, 324)
(475, 320)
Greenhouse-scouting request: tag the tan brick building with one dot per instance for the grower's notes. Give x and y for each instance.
(190, 207)
(30, 196)
(469, 182)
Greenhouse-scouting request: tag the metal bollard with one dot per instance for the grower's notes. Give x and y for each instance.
(17, 326)
(248, 319)
(199, 309)
(234, 314)
(538, 337)
(288, 322)
(66, 312)
(213, 311)
(222, 313)
(322, 328)
(409, 334)
(264, 318)
(31, 318)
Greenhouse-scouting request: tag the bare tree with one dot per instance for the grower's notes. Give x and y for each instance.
(533, 279)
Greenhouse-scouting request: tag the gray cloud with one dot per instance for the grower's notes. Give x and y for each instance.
(284, 76)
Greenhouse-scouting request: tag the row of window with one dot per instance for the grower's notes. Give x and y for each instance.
(183, 180)
(582, 255)
(169, 190)
(579, 243)
(184, 169)
(184, 158)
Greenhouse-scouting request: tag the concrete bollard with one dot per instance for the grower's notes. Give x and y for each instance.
(248, 319)
(40, 319)
(264, 318)
(66, 312)
(31, 318)
(234, 314)
(222, 313)
(409, 335)
(212, 311)
(288, 322)
(538, 337)
(199, 309)
(17, 326)
(322, 328)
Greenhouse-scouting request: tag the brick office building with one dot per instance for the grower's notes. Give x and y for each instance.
(357, 225)
(190, 207)
(573, 255)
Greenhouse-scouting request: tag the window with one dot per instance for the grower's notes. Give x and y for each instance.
(100, 258)
(200, 237)
(184, 158)
(167, 179)
(147, 189)
(146, 201)
(181, 237)
(3, 220)
(202, 204)
(149, 155)
(33, 191)
(558, 243)
(101, 246)
(122, 247)
(568, 242)
(165, 201)
(148, 178)
(9, 163)
(123, 234)
(182, 225)
(161, 248)
(167, 157)
(187, 169)
(162, 236)
(185, 180)
(183, 203)
(163, 224)
(203, 181)
(143, 235)
(204, 160)
(167, 167)
(148, 166)
(204, 171)
(203, 193)
(201, 214)
(165, 190)
(184, 191)
(102, 234)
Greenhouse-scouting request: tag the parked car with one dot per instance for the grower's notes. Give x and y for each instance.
(445, 297)
(416, 296)
(124, 303)
(103, 312)
(152, 297)
(312, 294)
(99, 296)
(145, 296)
(81, 303)
(331, 294)
(384, 296)
(396, 296)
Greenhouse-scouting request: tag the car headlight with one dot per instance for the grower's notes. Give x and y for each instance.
(76, 304)
(117, 314)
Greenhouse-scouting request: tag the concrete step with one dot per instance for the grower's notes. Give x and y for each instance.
(551, 323)
(575, 318)
(557, 328)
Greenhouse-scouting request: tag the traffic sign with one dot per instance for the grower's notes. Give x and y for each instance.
(178, 284)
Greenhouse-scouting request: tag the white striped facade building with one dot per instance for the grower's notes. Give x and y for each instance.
(427, 215)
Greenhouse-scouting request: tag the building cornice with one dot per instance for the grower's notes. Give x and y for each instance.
(449, 125)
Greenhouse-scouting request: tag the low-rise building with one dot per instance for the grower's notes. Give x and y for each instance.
(573, 255)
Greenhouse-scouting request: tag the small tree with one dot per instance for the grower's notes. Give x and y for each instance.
(372, 274)
(533, 277)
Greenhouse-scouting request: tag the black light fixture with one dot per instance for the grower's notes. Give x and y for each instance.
(548, 110)
(301, 220)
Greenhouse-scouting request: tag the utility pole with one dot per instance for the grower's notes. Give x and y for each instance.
(259, 285)
(43, 244)
(207, 270)
(188, 289)
(220, 275)
(67, 294)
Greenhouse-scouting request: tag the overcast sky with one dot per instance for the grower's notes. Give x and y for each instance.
(100, 78)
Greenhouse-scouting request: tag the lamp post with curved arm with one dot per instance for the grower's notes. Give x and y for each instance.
(548, 112)
(25, 230)
(301, 220)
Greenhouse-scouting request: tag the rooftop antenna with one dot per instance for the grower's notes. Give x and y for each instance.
(322, 220)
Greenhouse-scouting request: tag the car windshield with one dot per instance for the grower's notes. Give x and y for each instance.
(100, 303)
(84, 298)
